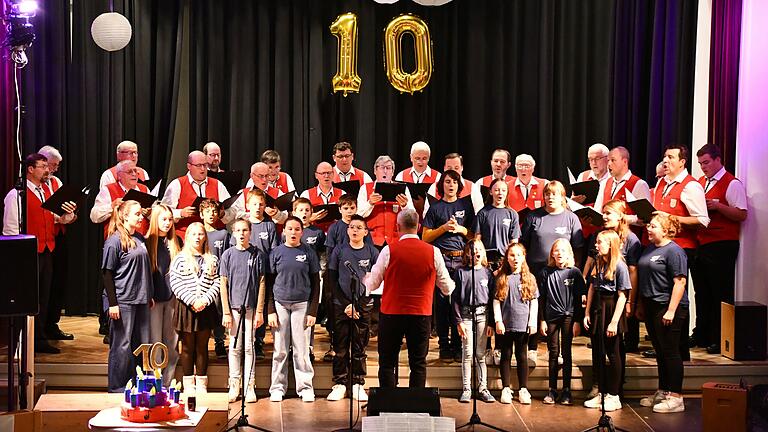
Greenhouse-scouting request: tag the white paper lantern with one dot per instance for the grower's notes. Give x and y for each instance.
(111, 31)
(432, 2)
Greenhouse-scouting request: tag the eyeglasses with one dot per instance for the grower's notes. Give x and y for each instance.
(260, 176)
(596, 159)
(343, 156)
(200, 165)
(523, 165)
(129, 152)
(44, 165)
(324, 173)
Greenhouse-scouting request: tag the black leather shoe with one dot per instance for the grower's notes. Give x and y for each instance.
(221, 351)
(692, 342)
(103, 329)
(649, 354)
(106, 340)
(713, 349)
(57, 334)
(45, 348)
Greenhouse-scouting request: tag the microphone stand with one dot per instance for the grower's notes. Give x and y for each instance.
(475, 419)
(357, 284)
(240, 332)
(604, 422)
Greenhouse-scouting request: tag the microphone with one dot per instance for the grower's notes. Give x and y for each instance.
(351, 269)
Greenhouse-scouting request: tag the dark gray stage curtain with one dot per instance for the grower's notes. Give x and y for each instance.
(543, 77)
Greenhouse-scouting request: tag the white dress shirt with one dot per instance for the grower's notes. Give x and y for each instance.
(373, 279)
(640, 191)
(417, 178)
(736, 195)
(11, 209)
(347, 176)
(102, 206)
(324, 196)
(173, 191)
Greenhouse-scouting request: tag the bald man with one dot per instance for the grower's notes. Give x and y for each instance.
(324, 192)
(126, 150)
(213, 154)
(259, 178)
(183, 191)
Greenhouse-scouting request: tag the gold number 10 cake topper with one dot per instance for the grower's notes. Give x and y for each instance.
(149, 354)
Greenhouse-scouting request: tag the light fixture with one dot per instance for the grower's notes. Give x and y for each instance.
(111, 31)
(20, 33)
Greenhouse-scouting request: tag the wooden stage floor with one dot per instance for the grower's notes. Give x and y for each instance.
(82, 365)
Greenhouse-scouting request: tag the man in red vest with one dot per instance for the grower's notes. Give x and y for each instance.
(183, 191)
(40, 223)
(620, 181)
(420, 171)
(259, 179)
(410, 269)
(718, 244)
(501, 160)
(323, 193)
(679, 194)
(597, 156)
(381, 216)
(111, 196)
(343, 170)
(60, 265)
(277, 178)
(126, 150)
(526, 190)
(213, 154)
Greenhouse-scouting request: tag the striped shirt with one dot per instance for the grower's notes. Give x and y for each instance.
(189, 286)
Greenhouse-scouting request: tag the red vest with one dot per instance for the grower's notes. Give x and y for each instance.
(317, 200)
(115, 192)
(282, 182)
(486, 181)
(382, 222)
(686, 239)
(409, 278)
(621, 193)
(407, 175)
(187, 196)
(113, 170)
(357, 174)
(720, 228)
(535, 198)
(40, 221)
(466, 190)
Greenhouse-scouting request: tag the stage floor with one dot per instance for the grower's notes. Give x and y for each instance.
(82, 365)
(292, 414)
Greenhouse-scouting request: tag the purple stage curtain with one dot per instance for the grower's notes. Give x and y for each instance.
(724, 77)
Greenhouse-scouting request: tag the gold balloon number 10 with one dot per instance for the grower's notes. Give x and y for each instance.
(347, 80)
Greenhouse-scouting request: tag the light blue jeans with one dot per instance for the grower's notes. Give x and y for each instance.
(291, 333)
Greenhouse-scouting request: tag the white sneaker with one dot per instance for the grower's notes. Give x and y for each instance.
(337, 393)
(612, 402)
(307, 395)
(497, 357)
(358, 393)
(594, 402)
(650, 401)
(250, 393)
(670, 404)
(532, 356)
(234, 389)
(276, 396)
(524, 396)
(506, 396)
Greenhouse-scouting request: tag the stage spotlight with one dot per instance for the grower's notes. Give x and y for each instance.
(20, 31)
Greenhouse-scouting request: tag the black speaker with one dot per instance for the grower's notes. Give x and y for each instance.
(404, 400)
(19, 292)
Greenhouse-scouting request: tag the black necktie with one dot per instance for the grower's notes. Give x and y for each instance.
(709, 182)
(40, 194)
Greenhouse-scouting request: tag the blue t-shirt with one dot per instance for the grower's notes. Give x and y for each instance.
(218, 242)
(561, 291)
(657, 269)
(313, 237)
(498, 227)
(514, 311)
(541, 229)
(463, 293)
(161, 278)
(292, 267)
(441, 212)
(243, 270)
(264, 236)
(337, 235)
(620, 280)
(362, 261)
(130, 269)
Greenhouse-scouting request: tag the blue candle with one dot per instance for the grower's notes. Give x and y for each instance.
(170, 393)
(127, 395)
(134, 400)
(151, 401)
(176, 396)
(158, 385)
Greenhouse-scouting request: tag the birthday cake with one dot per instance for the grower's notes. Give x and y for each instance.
(147, 401)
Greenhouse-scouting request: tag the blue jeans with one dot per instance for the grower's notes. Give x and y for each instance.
(127, 333)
